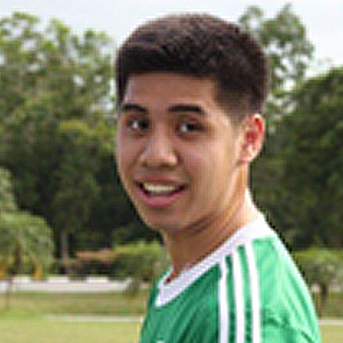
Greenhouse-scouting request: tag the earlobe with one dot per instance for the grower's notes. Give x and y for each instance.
(252, 137)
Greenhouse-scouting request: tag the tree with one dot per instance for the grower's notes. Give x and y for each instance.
(313, 161)
(7, 204)
(142, 262)
(56, 139)
(285, 41)
(55, 97)
(23, 236)
(321, 267)
(7, 201)
(56, 164)
(66, 75)
(77, 187)
(290, 52)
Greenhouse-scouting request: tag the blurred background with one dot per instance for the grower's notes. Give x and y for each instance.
(62, 208)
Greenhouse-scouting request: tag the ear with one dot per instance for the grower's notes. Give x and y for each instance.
(251, 137)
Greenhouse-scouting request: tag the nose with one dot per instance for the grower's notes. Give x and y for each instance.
(158, 151)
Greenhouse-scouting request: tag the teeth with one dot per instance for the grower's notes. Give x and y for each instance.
(158, 188)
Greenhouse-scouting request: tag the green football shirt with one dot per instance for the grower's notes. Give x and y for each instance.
(248, 290)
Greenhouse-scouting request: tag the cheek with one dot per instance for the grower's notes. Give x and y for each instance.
(123, 158)
(221, 165)
(118, 155)
(201, 166)
(125, 152)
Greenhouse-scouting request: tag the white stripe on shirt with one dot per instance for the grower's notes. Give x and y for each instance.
(239, 299)
(223, 304)
(255, 294)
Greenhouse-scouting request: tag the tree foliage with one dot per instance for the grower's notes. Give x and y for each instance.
(54, 104)
(53, 70)
(313, 159)
(290, 52)
(23, 237)
(56, 131)
(7, 200)
(285, 42)
(321, 267)
(56, 136)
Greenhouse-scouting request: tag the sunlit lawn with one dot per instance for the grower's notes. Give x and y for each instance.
(56, 331)
(44, 330)
(332, 334)
(30, 318)
(109, 304)
(76, 303)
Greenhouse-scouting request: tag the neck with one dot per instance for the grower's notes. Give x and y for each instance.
(190, 247)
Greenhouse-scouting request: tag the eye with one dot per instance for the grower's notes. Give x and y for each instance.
(137, 124)
(189, 127)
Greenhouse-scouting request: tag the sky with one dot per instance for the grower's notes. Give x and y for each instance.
(322, 18)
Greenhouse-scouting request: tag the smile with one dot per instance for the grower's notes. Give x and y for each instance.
(159, 189)
(156, 189)
(159, 194)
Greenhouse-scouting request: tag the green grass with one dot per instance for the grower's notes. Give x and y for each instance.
(95, 304)
(48, 331)
(334, 306)
(108, 304)
(332, 334)
(43, 330)
(28, 319)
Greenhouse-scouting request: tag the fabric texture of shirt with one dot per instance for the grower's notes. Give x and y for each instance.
(247, 291)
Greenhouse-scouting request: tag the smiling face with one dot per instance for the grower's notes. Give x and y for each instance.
(178, 154)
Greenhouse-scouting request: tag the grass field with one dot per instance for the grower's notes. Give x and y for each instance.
(29, 319)
(68, 303)
(332, 334)
(108, 304)
(56, 331)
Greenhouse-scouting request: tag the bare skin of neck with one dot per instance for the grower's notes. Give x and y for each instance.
(188, 248)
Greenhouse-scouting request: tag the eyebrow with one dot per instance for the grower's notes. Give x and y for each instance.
(132, 107)
(192, 108)
(187, 108)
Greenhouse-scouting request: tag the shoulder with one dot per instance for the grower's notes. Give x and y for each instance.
(277, 272)
(273, 290)
(287, 311)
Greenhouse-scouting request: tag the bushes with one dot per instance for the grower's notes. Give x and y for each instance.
(142, 261)
(323, 267)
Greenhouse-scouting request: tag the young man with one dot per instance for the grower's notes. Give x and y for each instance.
(191, 90)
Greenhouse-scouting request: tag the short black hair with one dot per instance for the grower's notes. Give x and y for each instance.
(199, 45)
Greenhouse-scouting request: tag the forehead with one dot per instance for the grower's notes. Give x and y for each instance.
(165, 86)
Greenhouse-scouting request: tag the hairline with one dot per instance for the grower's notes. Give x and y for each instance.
(219, 93)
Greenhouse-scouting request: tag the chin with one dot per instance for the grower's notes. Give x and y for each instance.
(161, 226)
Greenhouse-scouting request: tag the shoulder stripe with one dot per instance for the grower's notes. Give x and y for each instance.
(255, 294)
(239, 298)
(223, 304)
(246, 294)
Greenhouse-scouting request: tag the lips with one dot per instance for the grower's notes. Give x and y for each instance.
(159, 189)
(158, 194)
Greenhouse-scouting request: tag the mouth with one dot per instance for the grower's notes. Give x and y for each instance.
(159, 195)
(156, 189)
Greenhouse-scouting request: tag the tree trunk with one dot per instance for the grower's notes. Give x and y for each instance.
(8, 292)
(323, 295)
(14, 270)
(65, 251)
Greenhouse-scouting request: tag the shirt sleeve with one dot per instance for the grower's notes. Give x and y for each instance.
(276, 331)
